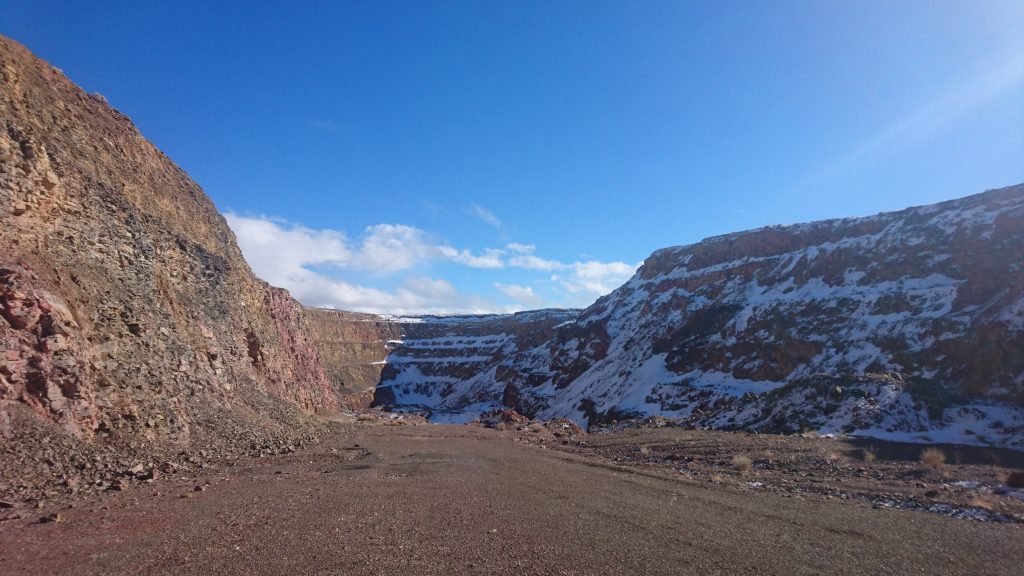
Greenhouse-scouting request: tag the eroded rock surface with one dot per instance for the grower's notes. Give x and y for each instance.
(127, 313)
(354, 348)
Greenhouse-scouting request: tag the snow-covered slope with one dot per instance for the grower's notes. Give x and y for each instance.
(446, 365)
(776, 328)
(935, 293)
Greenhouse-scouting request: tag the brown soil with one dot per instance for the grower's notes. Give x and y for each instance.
(972, 483)
(375, 499)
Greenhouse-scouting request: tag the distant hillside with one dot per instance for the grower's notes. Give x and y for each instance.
(795, 327)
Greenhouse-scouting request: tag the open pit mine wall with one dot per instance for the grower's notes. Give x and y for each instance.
(448, 366)
(354, 348)
(906, 325)
(796, 327)
(126, 307)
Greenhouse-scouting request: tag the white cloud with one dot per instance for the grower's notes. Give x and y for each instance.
(594, 278)
(393, 247)
(531, 262)
(521, 294)
(491, 258)
(294, 256)
(521, 248)
(585, 279)
(282, 255)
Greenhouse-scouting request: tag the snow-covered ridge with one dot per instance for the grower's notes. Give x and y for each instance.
(710, 330)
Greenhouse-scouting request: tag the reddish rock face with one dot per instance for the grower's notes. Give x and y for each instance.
(353, 347)
(126, 308)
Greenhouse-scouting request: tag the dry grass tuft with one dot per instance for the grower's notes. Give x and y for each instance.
(742, 464)
(535, 428)
(933, 458)
(867, 455)
(982, 501)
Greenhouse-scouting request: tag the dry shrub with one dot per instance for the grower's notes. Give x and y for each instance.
(742, 464)
(717, 478)
(982, 501)
(867, 455)
(832, 456)
(933, 458)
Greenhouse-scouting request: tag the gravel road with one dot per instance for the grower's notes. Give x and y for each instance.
(462, 500)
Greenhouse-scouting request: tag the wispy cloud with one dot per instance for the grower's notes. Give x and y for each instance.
(487, 217)
(323, 124)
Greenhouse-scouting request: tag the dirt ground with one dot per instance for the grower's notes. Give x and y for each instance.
(428, 499)
(962, 481)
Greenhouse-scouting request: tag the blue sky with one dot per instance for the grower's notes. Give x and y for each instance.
(487, 156)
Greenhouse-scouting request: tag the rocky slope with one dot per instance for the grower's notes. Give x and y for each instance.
(353, 348)
(906, 325)
(448, 366)
(127, 313)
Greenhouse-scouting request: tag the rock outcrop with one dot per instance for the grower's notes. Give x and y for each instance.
(448, 367)
(354, 348)
(127, 312)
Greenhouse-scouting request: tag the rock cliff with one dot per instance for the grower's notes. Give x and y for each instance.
(449, 366)
(354, 348)
(127, 312)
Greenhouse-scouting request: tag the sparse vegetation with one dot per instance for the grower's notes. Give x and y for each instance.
(933, 458)
(867, 455)
(742, 464)
(982, 501)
